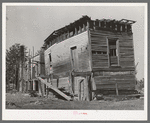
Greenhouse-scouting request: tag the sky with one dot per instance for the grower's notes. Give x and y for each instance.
(31, 25)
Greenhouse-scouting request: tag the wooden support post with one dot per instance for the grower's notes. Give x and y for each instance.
(84, 27)
(51, 79)
(93, 88)
(34, 85)
(46, 91)
(76, 31)
(80, 29)
(43, 89)
(104, 23)
(70, 82)
(94, 24)
(57, 39)
(87, 88)
(99, 23)
(31, 85)
(90, 88)
(115, 27)
(68, 34)
(61, 37)
(57, 82)
(40, 88)
(125, 27)
(117, 89)
(108, 52)
(88, 24)
(47, 88)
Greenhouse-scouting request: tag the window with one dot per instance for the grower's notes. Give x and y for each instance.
(113, 51)
(112, 48)
(50, 58)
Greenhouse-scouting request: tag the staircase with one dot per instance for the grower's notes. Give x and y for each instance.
(53, 88)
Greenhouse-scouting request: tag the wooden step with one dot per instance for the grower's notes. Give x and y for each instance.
(53, 88)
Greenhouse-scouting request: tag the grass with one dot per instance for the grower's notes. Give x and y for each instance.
(26, 102)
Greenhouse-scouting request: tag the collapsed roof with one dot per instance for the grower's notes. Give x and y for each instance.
(86, 19)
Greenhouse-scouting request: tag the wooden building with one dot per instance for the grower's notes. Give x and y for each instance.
(90, 56)
(38, 69)
(33, 68)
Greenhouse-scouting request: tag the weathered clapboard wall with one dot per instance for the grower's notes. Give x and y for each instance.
(38, 65)
(60, 64)
(61, 56)
(124, 82)
(102, 47)
(101, 65)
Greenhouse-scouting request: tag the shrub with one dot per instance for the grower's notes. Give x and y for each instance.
(140, 84)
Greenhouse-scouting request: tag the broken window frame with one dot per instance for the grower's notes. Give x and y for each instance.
(116, 53)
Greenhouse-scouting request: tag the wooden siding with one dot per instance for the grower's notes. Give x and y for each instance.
(125, 82)
(62, 82)
(42, 63)
(99, 43)
(61, 55)
(101, 65)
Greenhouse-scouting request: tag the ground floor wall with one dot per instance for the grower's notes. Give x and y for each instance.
(78, 86)
(124, 80)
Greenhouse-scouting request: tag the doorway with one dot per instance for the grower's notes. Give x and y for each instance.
(74, 58)
(81, 89)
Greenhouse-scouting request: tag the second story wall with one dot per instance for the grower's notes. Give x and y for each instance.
(112, 49)
(70, 54)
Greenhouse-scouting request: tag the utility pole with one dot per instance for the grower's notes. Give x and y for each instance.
(21, 66)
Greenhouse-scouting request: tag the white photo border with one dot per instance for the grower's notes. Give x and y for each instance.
(135, 115)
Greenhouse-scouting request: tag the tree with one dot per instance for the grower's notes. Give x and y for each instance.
(12, 65)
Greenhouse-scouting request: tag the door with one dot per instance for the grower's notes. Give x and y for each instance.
(36, 85)
(74, 58)
(81, 89)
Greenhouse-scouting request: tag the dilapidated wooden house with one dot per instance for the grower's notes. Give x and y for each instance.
(33, 68)
(37, 69)
(89, 56)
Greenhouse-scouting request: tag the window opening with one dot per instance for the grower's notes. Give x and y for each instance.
(50, 58)
(112, 47)
(113, 52)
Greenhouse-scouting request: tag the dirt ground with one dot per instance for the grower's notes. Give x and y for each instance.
(24, 101)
